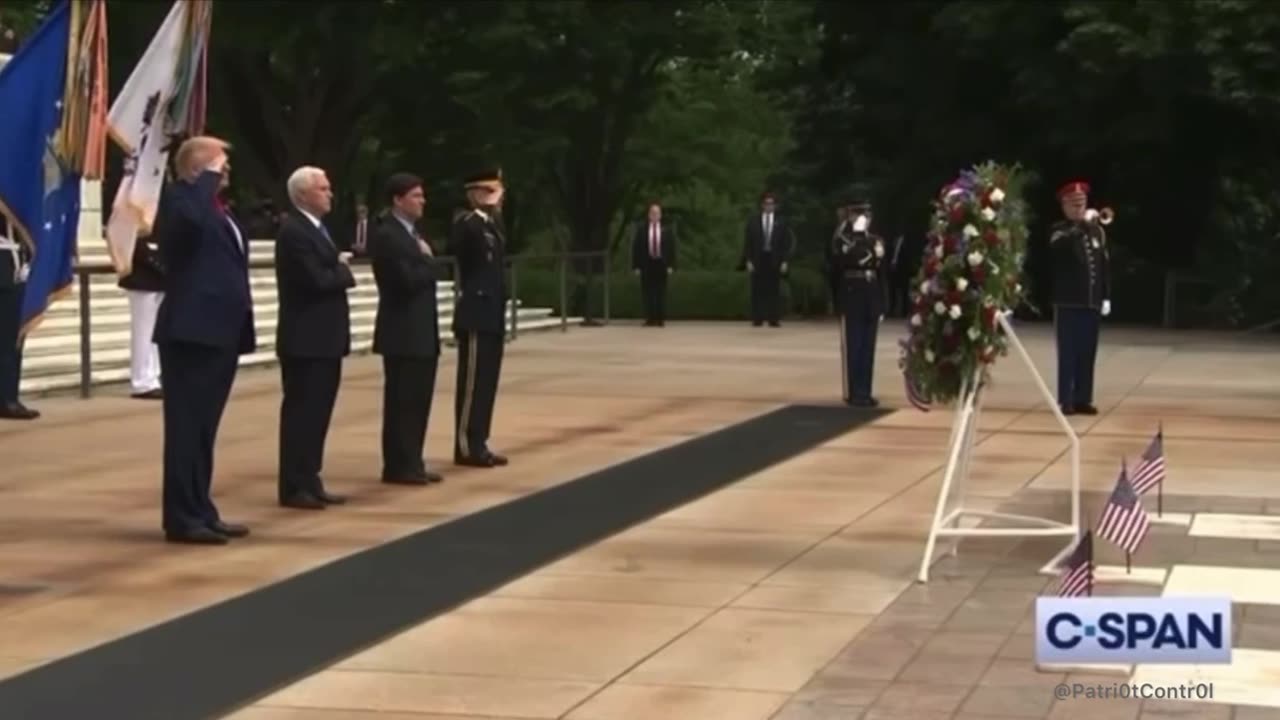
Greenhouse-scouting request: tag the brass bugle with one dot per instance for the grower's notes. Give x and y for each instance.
(1105, 216)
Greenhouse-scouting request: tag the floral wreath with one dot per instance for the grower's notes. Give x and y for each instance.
(969, 274)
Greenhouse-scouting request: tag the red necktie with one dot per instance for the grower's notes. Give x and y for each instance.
(655, 247)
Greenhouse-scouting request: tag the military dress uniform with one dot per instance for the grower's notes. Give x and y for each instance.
(858, 256)
(14, 267)
(1081, 297)
(477, 242)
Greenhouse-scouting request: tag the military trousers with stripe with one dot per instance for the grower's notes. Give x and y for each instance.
(479, 366)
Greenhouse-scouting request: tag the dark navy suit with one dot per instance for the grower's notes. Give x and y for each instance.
(204, 324)
(1081, 283)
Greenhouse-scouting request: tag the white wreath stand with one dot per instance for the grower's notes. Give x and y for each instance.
(949, 517)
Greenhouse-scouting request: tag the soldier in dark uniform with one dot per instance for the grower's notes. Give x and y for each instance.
(477, 241)
(859, 255)
(1081, 296)
(14, 265)
(829, 259)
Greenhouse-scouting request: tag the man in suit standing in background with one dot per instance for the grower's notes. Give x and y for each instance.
(766, 248)
(204, 324)
(312, 336)
(14, 267)
(144, 285)
(478, 242)
(406, 332)
(653, 258)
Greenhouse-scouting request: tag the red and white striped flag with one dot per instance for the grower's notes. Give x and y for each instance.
(1124, 521)
(1150, 471)
(1077, 576)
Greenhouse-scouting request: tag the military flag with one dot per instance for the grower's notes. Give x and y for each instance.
(52, 108)
(162, 103)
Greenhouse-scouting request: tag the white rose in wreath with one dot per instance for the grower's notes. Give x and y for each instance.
(939, 308)
(997, 196)
(961, 284)
(988, 214)
(924, 288)
(970, 231)
(974, 333)
(929, 356)
(937, 251)
(975, 258)
(954, 312)
(916, 320)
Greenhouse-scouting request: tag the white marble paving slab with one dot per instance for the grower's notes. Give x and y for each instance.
(1122, 671)
(1244, 527)
(1252, 678)
(1258, 586)
(1171, 519)
(1136, 575)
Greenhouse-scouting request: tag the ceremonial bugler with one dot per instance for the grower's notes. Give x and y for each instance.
(858, 256)
(1081, 294)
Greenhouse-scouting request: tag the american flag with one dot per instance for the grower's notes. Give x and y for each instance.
(914, 396)
(1124, 521)
(1150, 471)
(1077, 576)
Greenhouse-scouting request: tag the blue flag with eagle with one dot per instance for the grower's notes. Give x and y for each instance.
(39, 182)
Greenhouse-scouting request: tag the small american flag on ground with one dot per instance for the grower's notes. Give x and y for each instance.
(914, 396)
(1150, 471)
(1077, 575)
(1124, 521)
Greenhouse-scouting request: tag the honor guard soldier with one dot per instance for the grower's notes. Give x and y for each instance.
(858, 255)
(1081, 294)
(477, 241)
(15, 266)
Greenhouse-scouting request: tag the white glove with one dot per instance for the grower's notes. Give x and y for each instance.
(860, 225)
(23, 274)
(1106, 308)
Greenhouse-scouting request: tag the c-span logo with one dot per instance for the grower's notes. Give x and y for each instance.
(1102, 630)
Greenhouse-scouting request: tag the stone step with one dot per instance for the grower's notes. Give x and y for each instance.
(117, 370)
(43, 348)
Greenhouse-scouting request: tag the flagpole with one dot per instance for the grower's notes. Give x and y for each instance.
(1091, 565)
(1160, 485)
(1128, 563)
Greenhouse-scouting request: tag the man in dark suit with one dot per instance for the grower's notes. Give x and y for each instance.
(14, 267)
(313, 334)
(653, 258)
(766, 248)
(406, 332)
(477, 240)
(204, 324)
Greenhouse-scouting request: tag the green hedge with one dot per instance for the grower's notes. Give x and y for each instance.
(691, 295)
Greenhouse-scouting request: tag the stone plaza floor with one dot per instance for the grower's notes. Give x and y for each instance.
(790, 594)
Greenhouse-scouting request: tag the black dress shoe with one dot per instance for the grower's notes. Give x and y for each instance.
(1086, 409)
(303, 501)
(329, 498)
(156, 394)
(195, 536)
(17, 411)
(429, 476)
(483, 461)
(1068, 410)
(404, 480)
(231, 530)
(497, 460)
(862, 402)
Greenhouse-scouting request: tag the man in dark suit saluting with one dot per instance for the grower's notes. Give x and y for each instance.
(406, 332)
(478, 241)
(204, 324)
(653, 258)
(313, 334)
(766, 248)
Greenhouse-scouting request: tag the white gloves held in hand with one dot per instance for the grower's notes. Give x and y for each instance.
(1106, 308)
